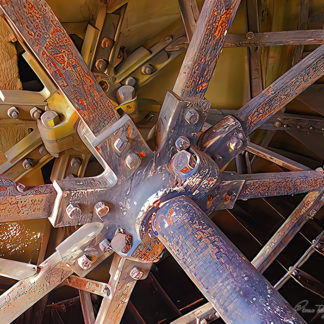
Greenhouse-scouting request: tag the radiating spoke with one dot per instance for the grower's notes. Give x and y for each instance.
(282, 91)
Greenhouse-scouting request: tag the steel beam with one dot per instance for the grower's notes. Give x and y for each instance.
(226, 278)
(205, 47)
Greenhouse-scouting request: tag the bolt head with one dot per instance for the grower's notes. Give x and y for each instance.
(234, 143)
(130, 81)
(147, 69)
(35, 113)
(27, 163)
(277, 123)
(106, 42)
(13, 112)
(122, 242)
(183, 162)
(133, 161)
(101, 209)
(136, 273)
(120, 145)
(50, 118)
(249, 35)
(101, 65)
(182, 143)
(105, 246)
(84, 262)
(192, 116)
(73, 211)
(21, 187)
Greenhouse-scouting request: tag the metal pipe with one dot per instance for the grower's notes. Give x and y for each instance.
(222, 273)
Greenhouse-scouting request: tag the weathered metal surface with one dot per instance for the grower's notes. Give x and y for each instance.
(282, 91)
(189, 14)
(36, 23)
(86, 307)
(27, 203)
(16, 270)
(227, 279)
(306, 210)
(205, 47)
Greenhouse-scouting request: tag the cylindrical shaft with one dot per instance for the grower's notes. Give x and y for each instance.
(226, 278)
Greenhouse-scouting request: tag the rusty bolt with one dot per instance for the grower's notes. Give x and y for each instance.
(42, 150)
(50, 118)
(133, 161)
(183, 162)
(130, 81)
(120, 144)
(234, 143)
(136, 273)
(101, 209)
(122, 242)
(182, 143)
(192, 116)
(101, 65)
(84, 262)
(249, 35)
(27, 163)
(13, 112)
(73, 211)
(106, 42)
(147, 69)
(35, 113)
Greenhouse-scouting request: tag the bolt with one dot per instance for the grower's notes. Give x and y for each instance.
(183, 162)
(122, 242)
(101, 65)
(50, 118)
(84, 262)
(73, 211)
(133, 161)
(234, 143)
(75, 163)
(13, 112)
(249, 35)
(35, 113)
(277, 123)
(120, 144)
(130, 81)
(21, 187)
(106, 42)
(42, 150)
(27, 163)
(313, 212)
(147, 69)
(105, 246)
(192, 116)
(182, 143)
(136, 274)
(101, 209)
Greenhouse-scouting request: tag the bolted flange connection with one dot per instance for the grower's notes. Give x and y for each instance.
(73, 210)
(191, 116)
(136, 273)
(182, 143)
(101, 209)
(13, 112)
(183, 162)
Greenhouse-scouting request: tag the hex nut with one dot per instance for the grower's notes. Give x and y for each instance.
(147, 69)
(131, 81)
(182, 143)
(13, 112)
(120, 145)
(50, 118)
(27, 163)
(191, 116)
(133, 161)
(35, 113)
(122, 242)
(84, 262)
(183, 162)
(106, 42)
(136, 273)
(234, 143)
(101, 65)
(73, 211)
(101, 209)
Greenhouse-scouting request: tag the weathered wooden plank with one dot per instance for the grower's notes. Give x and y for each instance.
(36, 24)
(282, 91)
(282, 38)
(205, 47)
